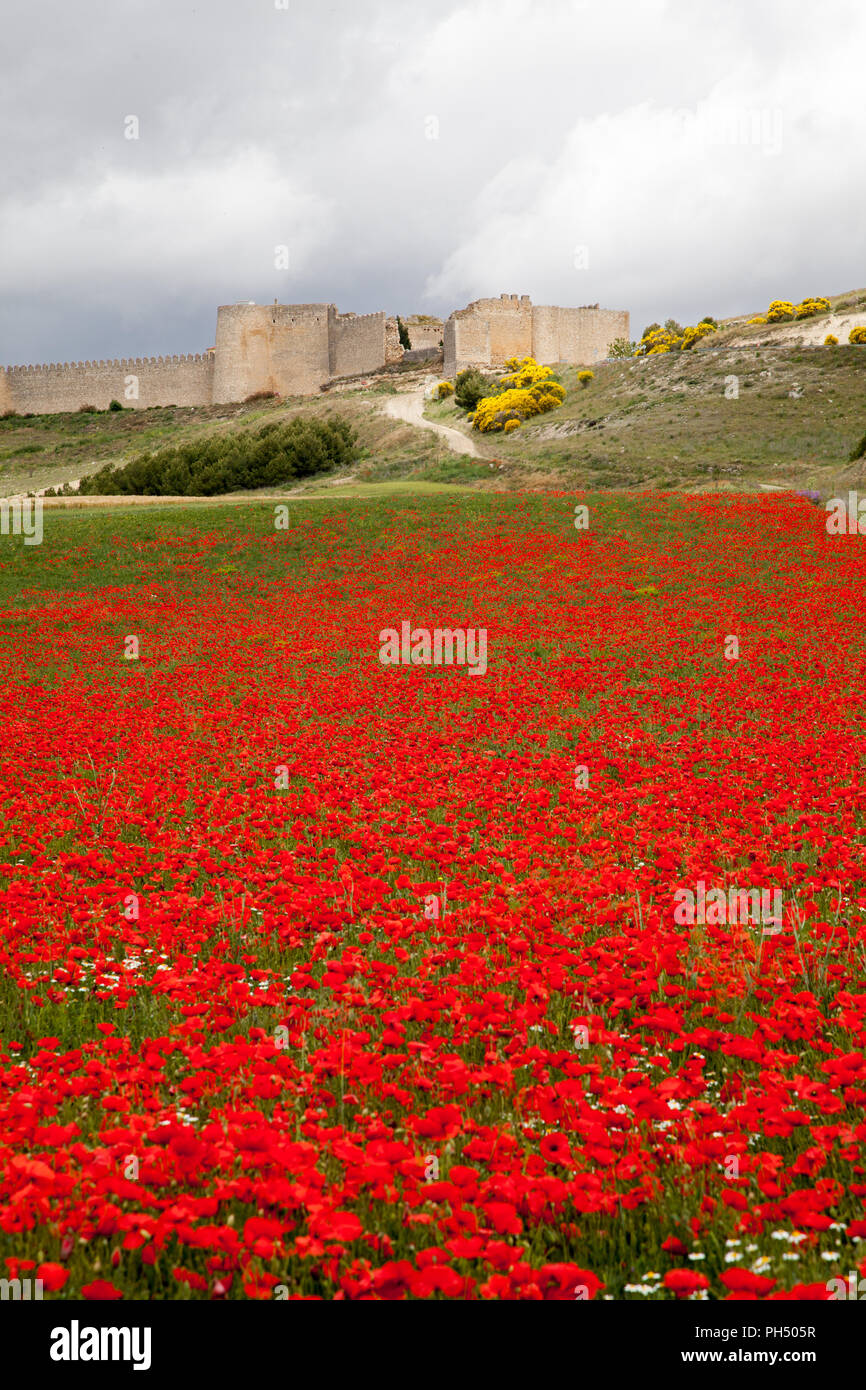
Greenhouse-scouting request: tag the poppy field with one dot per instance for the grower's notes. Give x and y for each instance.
(328, 978)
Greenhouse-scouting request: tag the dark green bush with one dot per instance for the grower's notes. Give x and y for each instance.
(115, 405)
(471, 385)
(278, 453)
(859, 451)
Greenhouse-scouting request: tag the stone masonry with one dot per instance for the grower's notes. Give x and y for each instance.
(489, 331)
(296, 349)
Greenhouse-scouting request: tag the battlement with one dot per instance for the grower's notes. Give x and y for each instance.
(359, 318)
(118, 363)
(489, 331)
(296, 349)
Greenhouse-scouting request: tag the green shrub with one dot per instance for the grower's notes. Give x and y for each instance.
(621, 347)
(403, 334)
(115, 405)
(859, 451)
(278, 453)
(471, 385)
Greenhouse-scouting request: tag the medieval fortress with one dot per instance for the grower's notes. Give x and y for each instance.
(297, 349)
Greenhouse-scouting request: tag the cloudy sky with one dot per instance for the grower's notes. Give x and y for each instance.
(675, 157)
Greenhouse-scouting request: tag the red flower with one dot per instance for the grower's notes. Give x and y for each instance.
(53, 1276)
(555, 1148)
(101, 1290)
(336, 1225)
(744, 1281)
(683, 1282)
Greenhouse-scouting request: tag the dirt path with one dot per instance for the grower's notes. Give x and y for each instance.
(409, 406)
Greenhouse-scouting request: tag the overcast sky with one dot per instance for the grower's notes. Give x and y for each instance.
(669, 157)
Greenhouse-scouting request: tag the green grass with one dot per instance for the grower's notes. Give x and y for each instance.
(661, 422)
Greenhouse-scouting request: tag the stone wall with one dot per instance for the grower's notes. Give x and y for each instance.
(295, 349)
(357, 343)
(424, 331)
(60, 386)
(271, 347)
(581, 336)
(489, 331)
(393, 350)
(467, 343)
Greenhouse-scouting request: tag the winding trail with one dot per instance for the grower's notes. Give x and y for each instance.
(409, 406)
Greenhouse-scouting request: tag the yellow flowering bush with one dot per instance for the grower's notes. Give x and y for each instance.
(694, 334)
(529, 389)
(525, 372)
(815, 305)
(585, 377)
(831, 340)
(858, 334)
(782, 310)
(657, 340)
(445, 389)
(673, 338)
(510, 425)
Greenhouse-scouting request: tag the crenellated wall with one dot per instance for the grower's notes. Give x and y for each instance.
(295, 349)
(357, 343)
(489, 331)
(271, 347)
(134, 381)
(581, 335)
(424, 331)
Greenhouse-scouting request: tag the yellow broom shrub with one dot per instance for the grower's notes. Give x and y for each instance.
(530, 390)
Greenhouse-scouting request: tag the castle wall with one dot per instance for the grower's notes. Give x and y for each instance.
(393, 350)
(545, 334)
(489, 331)
(510, 328)
(423, 332)
(295, 349)
(49, 388)
(271, 347)
(580, 336)
(357, 343)
(467, 343)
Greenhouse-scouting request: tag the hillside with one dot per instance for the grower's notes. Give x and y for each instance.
(665, 422)
(846, 312)
(751, 408)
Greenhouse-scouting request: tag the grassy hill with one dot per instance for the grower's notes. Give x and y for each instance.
(666, 422)
(752, 408)
(51, 450)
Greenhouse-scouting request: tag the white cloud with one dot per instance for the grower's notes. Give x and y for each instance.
(560, 124)
(681, 208)
(174, 226)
